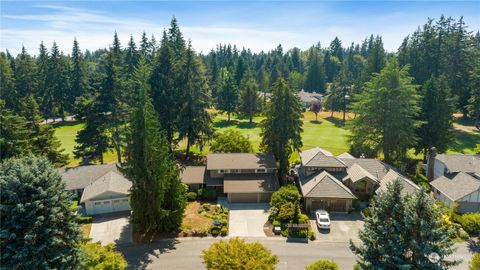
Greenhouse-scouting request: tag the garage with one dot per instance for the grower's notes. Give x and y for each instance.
(249, 197)
(332, 205)
(108, 194)
(250, 188)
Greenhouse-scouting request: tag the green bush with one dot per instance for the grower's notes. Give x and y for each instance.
(86, 219)
(276, 223)
(298, 233)
(200, 193)
(210, 193)
(289, 212)
(224, 231)
(285, 194)
(470, 222)
(356, 267)
(214, 231)
(311, 235)
(475, 263)
(323, 265)
(303, 219)
(366, 212)
(191, 196)
(231, 141)
(356, 204)
(206, 207)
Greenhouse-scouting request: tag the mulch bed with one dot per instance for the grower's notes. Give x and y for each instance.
(268, 229)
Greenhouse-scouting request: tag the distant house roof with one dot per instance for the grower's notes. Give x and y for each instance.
(460, 162)
(374, 166)
(357, 173)
(458, 187)
(242, 161)
(109, 186)
(308, 97)
(248, 183)
(81, 176)
(318, 157)
(193, 175)
(324, 185)
(345, 155)
(408, 186)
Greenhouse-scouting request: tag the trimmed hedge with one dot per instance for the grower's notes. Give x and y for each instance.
(323, 265)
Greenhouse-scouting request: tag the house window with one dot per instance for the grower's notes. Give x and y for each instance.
(221, 171)
(235, 171)
(261, 170)
(97, 203)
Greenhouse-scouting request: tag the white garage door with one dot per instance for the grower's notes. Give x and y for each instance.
(101, 207)
(120, 205)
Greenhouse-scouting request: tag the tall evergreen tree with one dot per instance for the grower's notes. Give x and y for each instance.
(376, 56)
(436, 115)
(157, 196)
(15, 137)
(25, 76)
(315, 77)
(58, 95)
(387, 110)
(281, 129)
(249, 96)
(131, 57)
(78, 76)
(45, 96)
(41, 231)
(7, 84)
(228, 97)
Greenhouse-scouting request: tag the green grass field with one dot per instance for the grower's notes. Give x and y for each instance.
(328, 132)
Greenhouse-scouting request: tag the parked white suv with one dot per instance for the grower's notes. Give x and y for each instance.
(323, 219)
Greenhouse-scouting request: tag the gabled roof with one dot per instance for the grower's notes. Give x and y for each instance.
(112, 182)
(308, 97)
(81, 176)
(374, 166)
(324, 185)
(345, 155)
(318, 157)
(193, 175)
(460, 162)
(458, 187)
(357, 173)
(408, 186)
(250, 182)
(243, 161)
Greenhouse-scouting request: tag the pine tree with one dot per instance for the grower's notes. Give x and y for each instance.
(131, 57)
(196, 121)
(144, 43)
(281, 129)
(7, 84)
(249, 95)
(41, 231)
(42, 136)
(376, 56)
(45, 96)
(315, 77)
(25, 76)
(228, 98)
(436, 115)
(386, 111)
(474, 101)
(78, 78)
(15, 139)
(58, 95)
(157, 196)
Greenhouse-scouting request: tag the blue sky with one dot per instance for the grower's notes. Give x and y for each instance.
(258, 25)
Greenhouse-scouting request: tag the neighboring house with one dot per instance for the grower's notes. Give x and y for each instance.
(242, 177)
(101, 188)
(456, 179)
(347, 178)
(308, 98)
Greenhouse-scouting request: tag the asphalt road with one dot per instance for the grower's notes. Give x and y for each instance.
(185, 253)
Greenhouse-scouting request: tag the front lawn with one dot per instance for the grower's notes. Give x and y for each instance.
(194, 223)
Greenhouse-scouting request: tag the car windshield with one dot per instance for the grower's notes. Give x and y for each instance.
(324, 220)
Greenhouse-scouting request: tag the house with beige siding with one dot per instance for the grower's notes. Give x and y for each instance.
(241, 177)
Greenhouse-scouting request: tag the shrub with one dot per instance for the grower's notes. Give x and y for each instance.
(303, 219)
(97, 256)
(311, 235)
(475, 263)
(356, 204)
(366, 212)
(191, 196)
(298, 233)
(200, 193)
(323, 265)
(224, 231)
(289, 211)
(206, 207)
(235, 253)
(230, 141)
(285, 194)
(276, 223)
(215, 231)
(470, 222)
(86, 219)
(210, 193)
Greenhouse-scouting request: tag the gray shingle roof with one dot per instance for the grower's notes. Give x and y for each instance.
(241, 161)
(112, 182)
(193, 175)
(458, 187)
(345, 155)
(408, 186)
(81, 176)
(356, 173)
(251, 182)
(307, 97)
(318, 157)
(324, 185)
(374, 166)
(461, 162)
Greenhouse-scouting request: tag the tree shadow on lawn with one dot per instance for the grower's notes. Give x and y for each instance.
(464, 140)
(337, 122)
(234, 123)
(65, 123)
(316, 122)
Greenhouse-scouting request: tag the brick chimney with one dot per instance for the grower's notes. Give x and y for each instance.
(431, 163)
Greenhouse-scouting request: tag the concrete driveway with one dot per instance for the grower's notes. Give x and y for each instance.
(343, 227)
(112, 228)
(247, 219)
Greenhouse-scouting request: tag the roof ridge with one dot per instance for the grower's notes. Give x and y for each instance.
(335, 180)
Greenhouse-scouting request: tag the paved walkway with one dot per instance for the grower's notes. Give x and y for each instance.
(112, 228)
(247, 219)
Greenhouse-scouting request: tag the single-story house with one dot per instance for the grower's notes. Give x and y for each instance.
(451, 164)
(463, 189)
(101, 188)
(324, 191)
(241, 177)
(308, 98)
